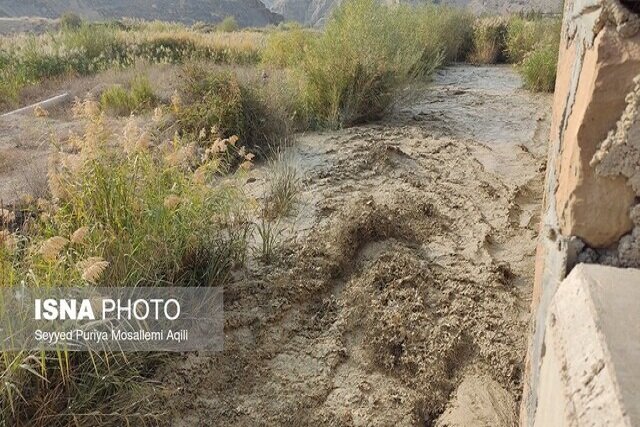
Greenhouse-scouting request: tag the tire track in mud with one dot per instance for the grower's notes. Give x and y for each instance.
(409, 274)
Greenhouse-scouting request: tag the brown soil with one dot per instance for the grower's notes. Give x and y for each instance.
(403, 291)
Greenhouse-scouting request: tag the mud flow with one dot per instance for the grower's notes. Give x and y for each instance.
(401, 296)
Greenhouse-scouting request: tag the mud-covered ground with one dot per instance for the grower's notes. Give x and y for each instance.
(401, 297)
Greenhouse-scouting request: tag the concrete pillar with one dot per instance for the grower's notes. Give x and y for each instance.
(589, 373)
(599, 59)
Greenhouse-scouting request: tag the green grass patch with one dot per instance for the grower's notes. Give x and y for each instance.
(228, 25)
(539, 68)
(287, 48)
(119, 101)
(352, 71)
(88, 48)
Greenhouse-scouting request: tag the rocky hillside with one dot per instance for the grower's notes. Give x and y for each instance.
(315, 11)
(246, 12)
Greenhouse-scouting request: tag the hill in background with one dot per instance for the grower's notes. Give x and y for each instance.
(315, 11)
(246, 12)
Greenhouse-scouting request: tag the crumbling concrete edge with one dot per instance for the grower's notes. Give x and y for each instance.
(553, 249)
(558, 254)
(585, 365)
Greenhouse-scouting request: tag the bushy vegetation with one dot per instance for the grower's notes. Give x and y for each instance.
(365, 54)
(350, 70)
(539, 68)
(70, 21)
(533, 46)
(489, 35)
(228, 25)
(125, 212)
(353, 69)
(522, 37)
(122, 102)
(531, 43)
(215, 104)
(91, 48)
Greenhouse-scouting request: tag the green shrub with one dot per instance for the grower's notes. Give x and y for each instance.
(532, 43)
(142, 93)
(445, 29)
(539, 69)
(283, 187)
(228, 25)
(76, 388)
(10, 82)
(525, 35)
(70, 21)
(90, 49)
(220, 105)
(148, 220)
(489, 38)
(365, 55)
(122, 102)
(522, 38)
(116, 100)
(286, 48)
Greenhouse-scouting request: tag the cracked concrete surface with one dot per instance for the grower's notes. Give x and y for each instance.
(619, 155)
(587, 213)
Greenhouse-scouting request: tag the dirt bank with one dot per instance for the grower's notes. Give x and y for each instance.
(403, 292)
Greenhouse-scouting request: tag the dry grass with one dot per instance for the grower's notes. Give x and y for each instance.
(283, 187)
(489, 35)
(91, 48)
(110, 223)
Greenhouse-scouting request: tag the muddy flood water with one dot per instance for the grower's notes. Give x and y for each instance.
(401, 295)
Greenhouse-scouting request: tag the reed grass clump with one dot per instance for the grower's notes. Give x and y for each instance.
(286, 48)
(215, 104)
(366, 53)
(228, 25)
(126, 209)
(539, 69)
(121, 101)
(489, 37)
(533, 45)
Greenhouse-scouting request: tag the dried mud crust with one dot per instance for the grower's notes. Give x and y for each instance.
(410, 275)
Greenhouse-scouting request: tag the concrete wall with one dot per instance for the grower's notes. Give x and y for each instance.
(590, 212)
(589, 374)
